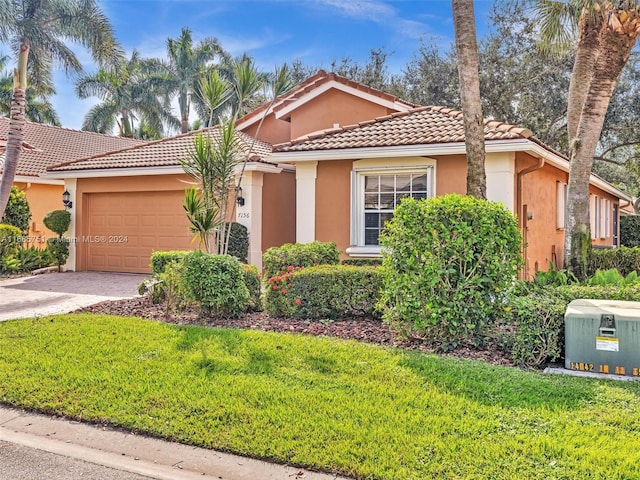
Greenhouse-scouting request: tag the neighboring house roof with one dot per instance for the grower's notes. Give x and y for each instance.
(46, 145)
(422, 125)
(161, 153)
(314, 86)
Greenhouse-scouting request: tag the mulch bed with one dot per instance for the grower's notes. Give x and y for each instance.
(362, 329)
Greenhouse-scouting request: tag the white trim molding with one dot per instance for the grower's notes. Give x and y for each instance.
(37, 180)
(306, 202)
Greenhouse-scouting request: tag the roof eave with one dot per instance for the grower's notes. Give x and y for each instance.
(455, 148)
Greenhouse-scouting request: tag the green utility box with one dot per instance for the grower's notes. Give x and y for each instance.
(603, 336)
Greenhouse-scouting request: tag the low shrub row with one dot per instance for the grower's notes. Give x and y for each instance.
(623, 259)
(324, 292)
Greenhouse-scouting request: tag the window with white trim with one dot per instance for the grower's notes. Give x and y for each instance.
(379, 192)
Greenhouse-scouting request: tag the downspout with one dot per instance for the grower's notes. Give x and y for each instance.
(522, 218)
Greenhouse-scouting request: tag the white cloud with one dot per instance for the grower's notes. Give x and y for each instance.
(378, 12)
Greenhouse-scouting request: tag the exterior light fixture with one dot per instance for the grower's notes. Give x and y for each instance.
(239, 197)
(66, 199)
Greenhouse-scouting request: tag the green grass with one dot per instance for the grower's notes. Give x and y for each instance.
(327, 404)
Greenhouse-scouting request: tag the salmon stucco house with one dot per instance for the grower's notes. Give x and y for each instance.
(46, 145)
(332, 160)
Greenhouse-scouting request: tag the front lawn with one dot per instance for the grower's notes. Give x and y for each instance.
(328, 404)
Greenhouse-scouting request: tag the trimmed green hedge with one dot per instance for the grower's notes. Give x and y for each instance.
(630, 231)
(216, 283)
(448, 263)
(160, 259)
(252, 281)
(623, 259)
(324, 292)
(279, 259)
(607, 292)
(538, 319)
(362, 262)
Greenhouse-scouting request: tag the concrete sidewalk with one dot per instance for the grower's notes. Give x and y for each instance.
(137, 454)
(53, 293)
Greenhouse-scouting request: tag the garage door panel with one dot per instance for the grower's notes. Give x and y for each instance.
(131, 226)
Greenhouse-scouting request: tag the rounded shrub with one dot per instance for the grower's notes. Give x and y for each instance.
(17, 212)
(238, 242)
(57, 221)
(10, 240)
(58, 249)
(448, 263)
(279, 259)
(217, 283)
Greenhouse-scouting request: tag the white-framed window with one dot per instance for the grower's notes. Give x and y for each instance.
(561, 205)
(376, 193)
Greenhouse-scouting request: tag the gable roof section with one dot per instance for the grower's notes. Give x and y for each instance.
(316, 85)
(160, 153)
(422, 125)
(46, 145)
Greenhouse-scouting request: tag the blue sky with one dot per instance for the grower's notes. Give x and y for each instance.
(275, 31)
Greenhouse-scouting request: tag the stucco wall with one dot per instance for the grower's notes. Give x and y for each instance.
(278, 209)
(333, 106)
(451, 174)
(273, 130)
(333, 202)
(545, 242)
(333, 194)
(42, 199)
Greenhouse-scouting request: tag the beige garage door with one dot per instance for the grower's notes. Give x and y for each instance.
(124, 228)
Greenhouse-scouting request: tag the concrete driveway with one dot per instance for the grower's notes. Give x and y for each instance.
(52, 293)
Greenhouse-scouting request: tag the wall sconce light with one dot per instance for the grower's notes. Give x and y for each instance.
(239, 197)
(66, 199)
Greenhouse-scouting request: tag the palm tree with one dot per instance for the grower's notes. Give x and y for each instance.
(467, 51)
(38, 109)
(130, 91)
(42, 28)
(607, 32)
(187, 65)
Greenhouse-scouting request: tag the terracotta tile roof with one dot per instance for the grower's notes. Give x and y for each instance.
(311, 84)
(45, 145)
(422, 125)
(161, 153)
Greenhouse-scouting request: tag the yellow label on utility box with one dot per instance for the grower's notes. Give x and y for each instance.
(608, 344)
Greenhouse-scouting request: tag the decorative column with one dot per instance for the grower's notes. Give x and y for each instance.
(250, 214)
(70, 186)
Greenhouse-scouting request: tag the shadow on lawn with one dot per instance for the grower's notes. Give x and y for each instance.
(502, 386)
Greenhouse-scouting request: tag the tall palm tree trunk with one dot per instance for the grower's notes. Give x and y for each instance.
(587, 52)
(467, 52)
(614, 50)
(16, 127)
